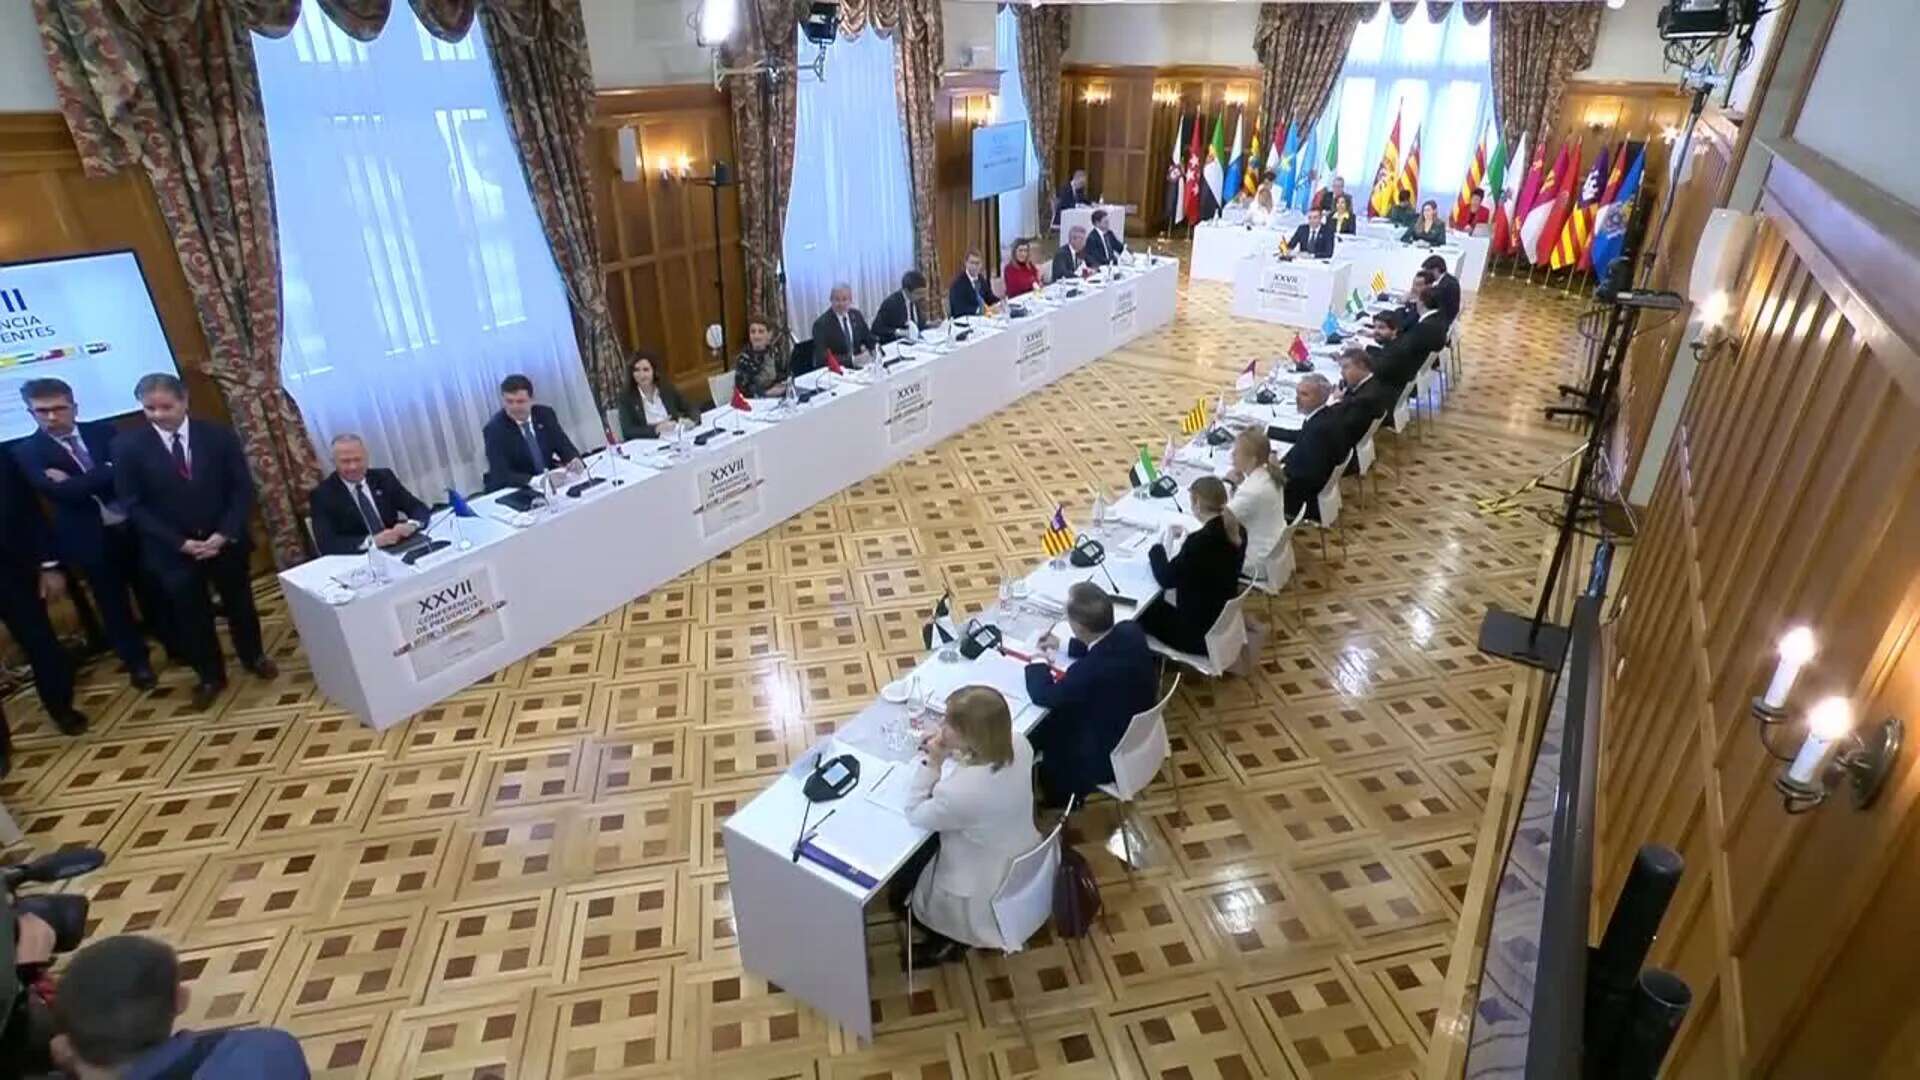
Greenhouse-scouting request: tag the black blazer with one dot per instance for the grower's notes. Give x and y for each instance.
(1320, 245)
(23, 532)
(1066, 265)
(890, 322)
(509, 464)
(1359, 408)
(633, 416)
(1067, 198)
(1347, 226)
(1446, 295)
(827, 335)
(338, 528)
(1090, 706)
(1400, 360)
(1320, 448)
(1416, 235)
(167, 508)
(1206, 573)
(1103, 248)
(1323, 201)
(970, 296)
(79, 536)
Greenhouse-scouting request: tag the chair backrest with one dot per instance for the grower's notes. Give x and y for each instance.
(1228, 635)
(1143, 748)
(1365, 451)
(1403, 406)
(720, 388)
(1328, 501)
(1024, 901)
(1279, 563)
(801, 360)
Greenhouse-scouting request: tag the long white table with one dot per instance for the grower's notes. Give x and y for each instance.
(384, 650)
(1083, 217)
(1218, 247)
(1294, 292)
(1465, 253)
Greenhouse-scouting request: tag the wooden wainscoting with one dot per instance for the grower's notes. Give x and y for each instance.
(657, 235)
(960, 223)
(1112, 126)
(1787, 497)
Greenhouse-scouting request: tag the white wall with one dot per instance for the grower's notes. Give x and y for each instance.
(1163, 34)
(25, 85)
(1868, 62)
(1629, 47)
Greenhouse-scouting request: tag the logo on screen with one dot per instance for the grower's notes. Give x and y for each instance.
(13, 301)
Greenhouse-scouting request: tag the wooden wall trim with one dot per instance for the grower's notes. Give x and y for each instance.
(1169, 72)
(608, 105)
(1625, 87)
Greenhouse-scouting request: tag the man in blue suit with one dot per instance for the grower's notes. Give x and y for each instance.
(185, 484)
(524, 441)
(1113, 677)
(72, 465)
(27, 580)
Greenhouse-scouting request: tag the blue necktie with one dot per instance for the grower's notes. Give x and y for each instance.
(533, 446)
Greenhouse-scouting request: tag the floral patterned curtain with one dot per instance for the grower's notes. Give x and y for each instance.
(1301, 49)
(919, 38)
(1536, 48)
(765, 109)
(1043, 43)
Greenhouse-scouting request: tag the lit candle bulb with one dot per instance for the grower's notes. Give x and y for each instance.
(1828, 723)
(1796, 648)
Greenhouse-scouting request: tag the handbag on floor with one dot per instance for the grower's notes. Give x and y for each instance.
(1076, 895)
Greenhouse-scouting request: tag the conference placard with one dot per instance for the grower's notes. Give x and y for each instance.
(449, 622)
(1283, 292)
(1035, 353)
(729, 491)
(909, 409)
(1126, 308)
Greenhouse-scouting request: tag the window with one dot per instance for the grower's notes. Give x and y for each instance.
(850, 213)
(415, 273)
(1436, 74)
(1019, 210)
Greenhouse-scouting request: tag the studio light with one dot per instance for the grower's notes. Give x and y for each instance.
(717, 20)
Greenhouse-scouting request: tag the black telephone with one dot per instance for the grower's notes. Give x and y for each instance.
(1218, 436)
(832, 778)
(1163, 487)
(1087, 552)
(1265, 396)
(979, 638)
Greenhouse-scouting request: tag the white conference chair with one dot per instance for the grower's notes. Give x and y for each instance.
(1402, 414)
(1361, 464)
(1142, 750)
(1275, 570)
(720, 388)
(1455, 367)
(1328, 504)
(1022, 904)
(1226, 639)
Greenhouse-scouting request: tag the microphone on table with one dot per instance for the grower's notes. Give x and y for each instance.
(427, 544)
(591, 481)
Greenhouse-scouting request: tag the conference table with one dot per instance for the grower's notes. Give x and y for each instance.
(1218, 246)
(1293, 292)
(386, 640)
(1083, 217)
(1470, 265)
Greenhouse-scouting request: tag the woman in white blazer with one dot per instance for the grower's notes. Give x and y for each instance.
(1259, 497)
(974, 787)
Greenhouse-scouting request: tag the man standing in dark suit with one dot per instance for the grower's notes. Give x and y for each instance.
(972, 291)
(1325, 199)
(72, 465)
(1320, 447)
(357, 507)
(1399, 361)
(1103, 248)
(841, 329)
(903, 314)
(185, 485)
(1071, 194)
(27, 580)
(1315, 238)
(1071, 260)
(1446, 286)
(1112, 677)
(524, 440)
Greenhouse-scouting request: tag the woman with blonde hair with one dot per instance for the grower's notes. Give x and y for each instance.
(974, 788)
(1259, 495)
(1197, 582)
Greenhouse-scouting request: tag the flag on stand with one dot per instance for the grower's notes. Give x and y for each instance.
(1565, 191)
(1610, 228)
(833, 363)
(1196, 419)
(1310, 166)
(1540, 208)
(1356, 305)
(1236, 161)
(1213, 176)
(740, 401)
(1333, 145)
(1247, 376)
(1410, 170)
(1570, 250)
(1476, 175)
(1504, 182)
(1143, 472)
(1330, 326)
(459, 505)
(1379, 282)
(1297, 351)
(1615, 176)
(1526, 196)
(1058, 539)
(1386, 179)
(1190, 192)
(1250, 180)
(1175, 174)
(1289, 174)
(939, 628)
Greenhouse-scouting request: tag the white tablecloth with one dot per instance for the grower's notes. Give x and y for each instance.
(371, 644)
(1294, 292)
(1395, 261)
(1466, 254)
(1218, 247)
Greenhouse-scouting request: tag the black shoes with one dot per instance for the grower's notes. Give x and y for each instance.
(205, 693)
(70, 721)
(263, 668)
(143, 678)
(933, 954)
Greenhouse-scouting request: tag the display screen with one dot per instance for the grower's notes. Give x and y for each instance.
(87, 320)
(999, 158)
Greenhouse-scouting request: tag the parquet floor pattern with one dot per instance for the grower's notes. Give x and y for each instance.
(528, 880)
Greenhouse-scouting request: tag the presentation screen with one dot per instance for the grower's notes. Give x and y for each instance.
(999, 158)
(85, 319)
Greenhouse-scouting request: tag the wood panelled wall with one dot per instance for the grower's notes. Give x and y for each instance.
(960, 223)
(1786, 497)
(657, 234)
(1605, 113)
(1112, 126)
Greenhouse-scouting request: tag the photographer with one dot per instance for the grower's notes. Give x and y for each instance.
(26, 947)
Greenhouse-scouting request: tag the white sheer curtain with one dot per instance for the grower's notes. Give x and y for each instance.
(1439, 77)
(1019, 210)
(416, 274)
(850, 211)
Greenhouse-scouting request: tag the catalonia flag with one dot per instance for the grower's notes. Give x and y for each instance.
(1379, 282)
(1058, 539)
(1196, 419)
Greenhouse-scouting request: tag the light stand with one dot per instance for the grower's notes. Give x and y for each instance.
(721, 177)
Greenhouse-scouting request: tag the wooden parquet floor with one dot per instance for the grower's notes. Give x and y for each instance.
(528, 880)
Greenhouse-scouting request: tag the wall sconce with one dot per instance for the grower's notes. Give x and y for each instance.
(675, 168)
(1832, 750)
(1713, 334)
(1236, 97)
(1098, 94)
(1670, 133)
(1166, 94)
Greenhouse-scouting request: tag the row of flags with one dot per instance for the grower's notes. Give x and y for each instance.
(1543, 217)
(1204, 176)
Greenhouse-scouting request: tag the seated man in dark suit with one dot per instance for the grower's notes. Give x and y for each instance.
(72, 465)
(1112, 677)
(972, 291)
(1314, 239)
(1402, 213)
(1103, 247)
(1399, 361)
(903, 314)
(185, 484)
(1387, 323)
(1318, 449)
(358, 507)
(27, 579)
(1447, 287)
(1363, 397)
(1071, 260)
(842, 330)
(1071, 194)
(1328, 197)
(525, 441)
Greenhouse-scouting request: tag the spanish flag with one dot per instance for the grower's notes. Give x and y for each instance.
(1058, 539)
(1196, 419)
(1386, 179)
